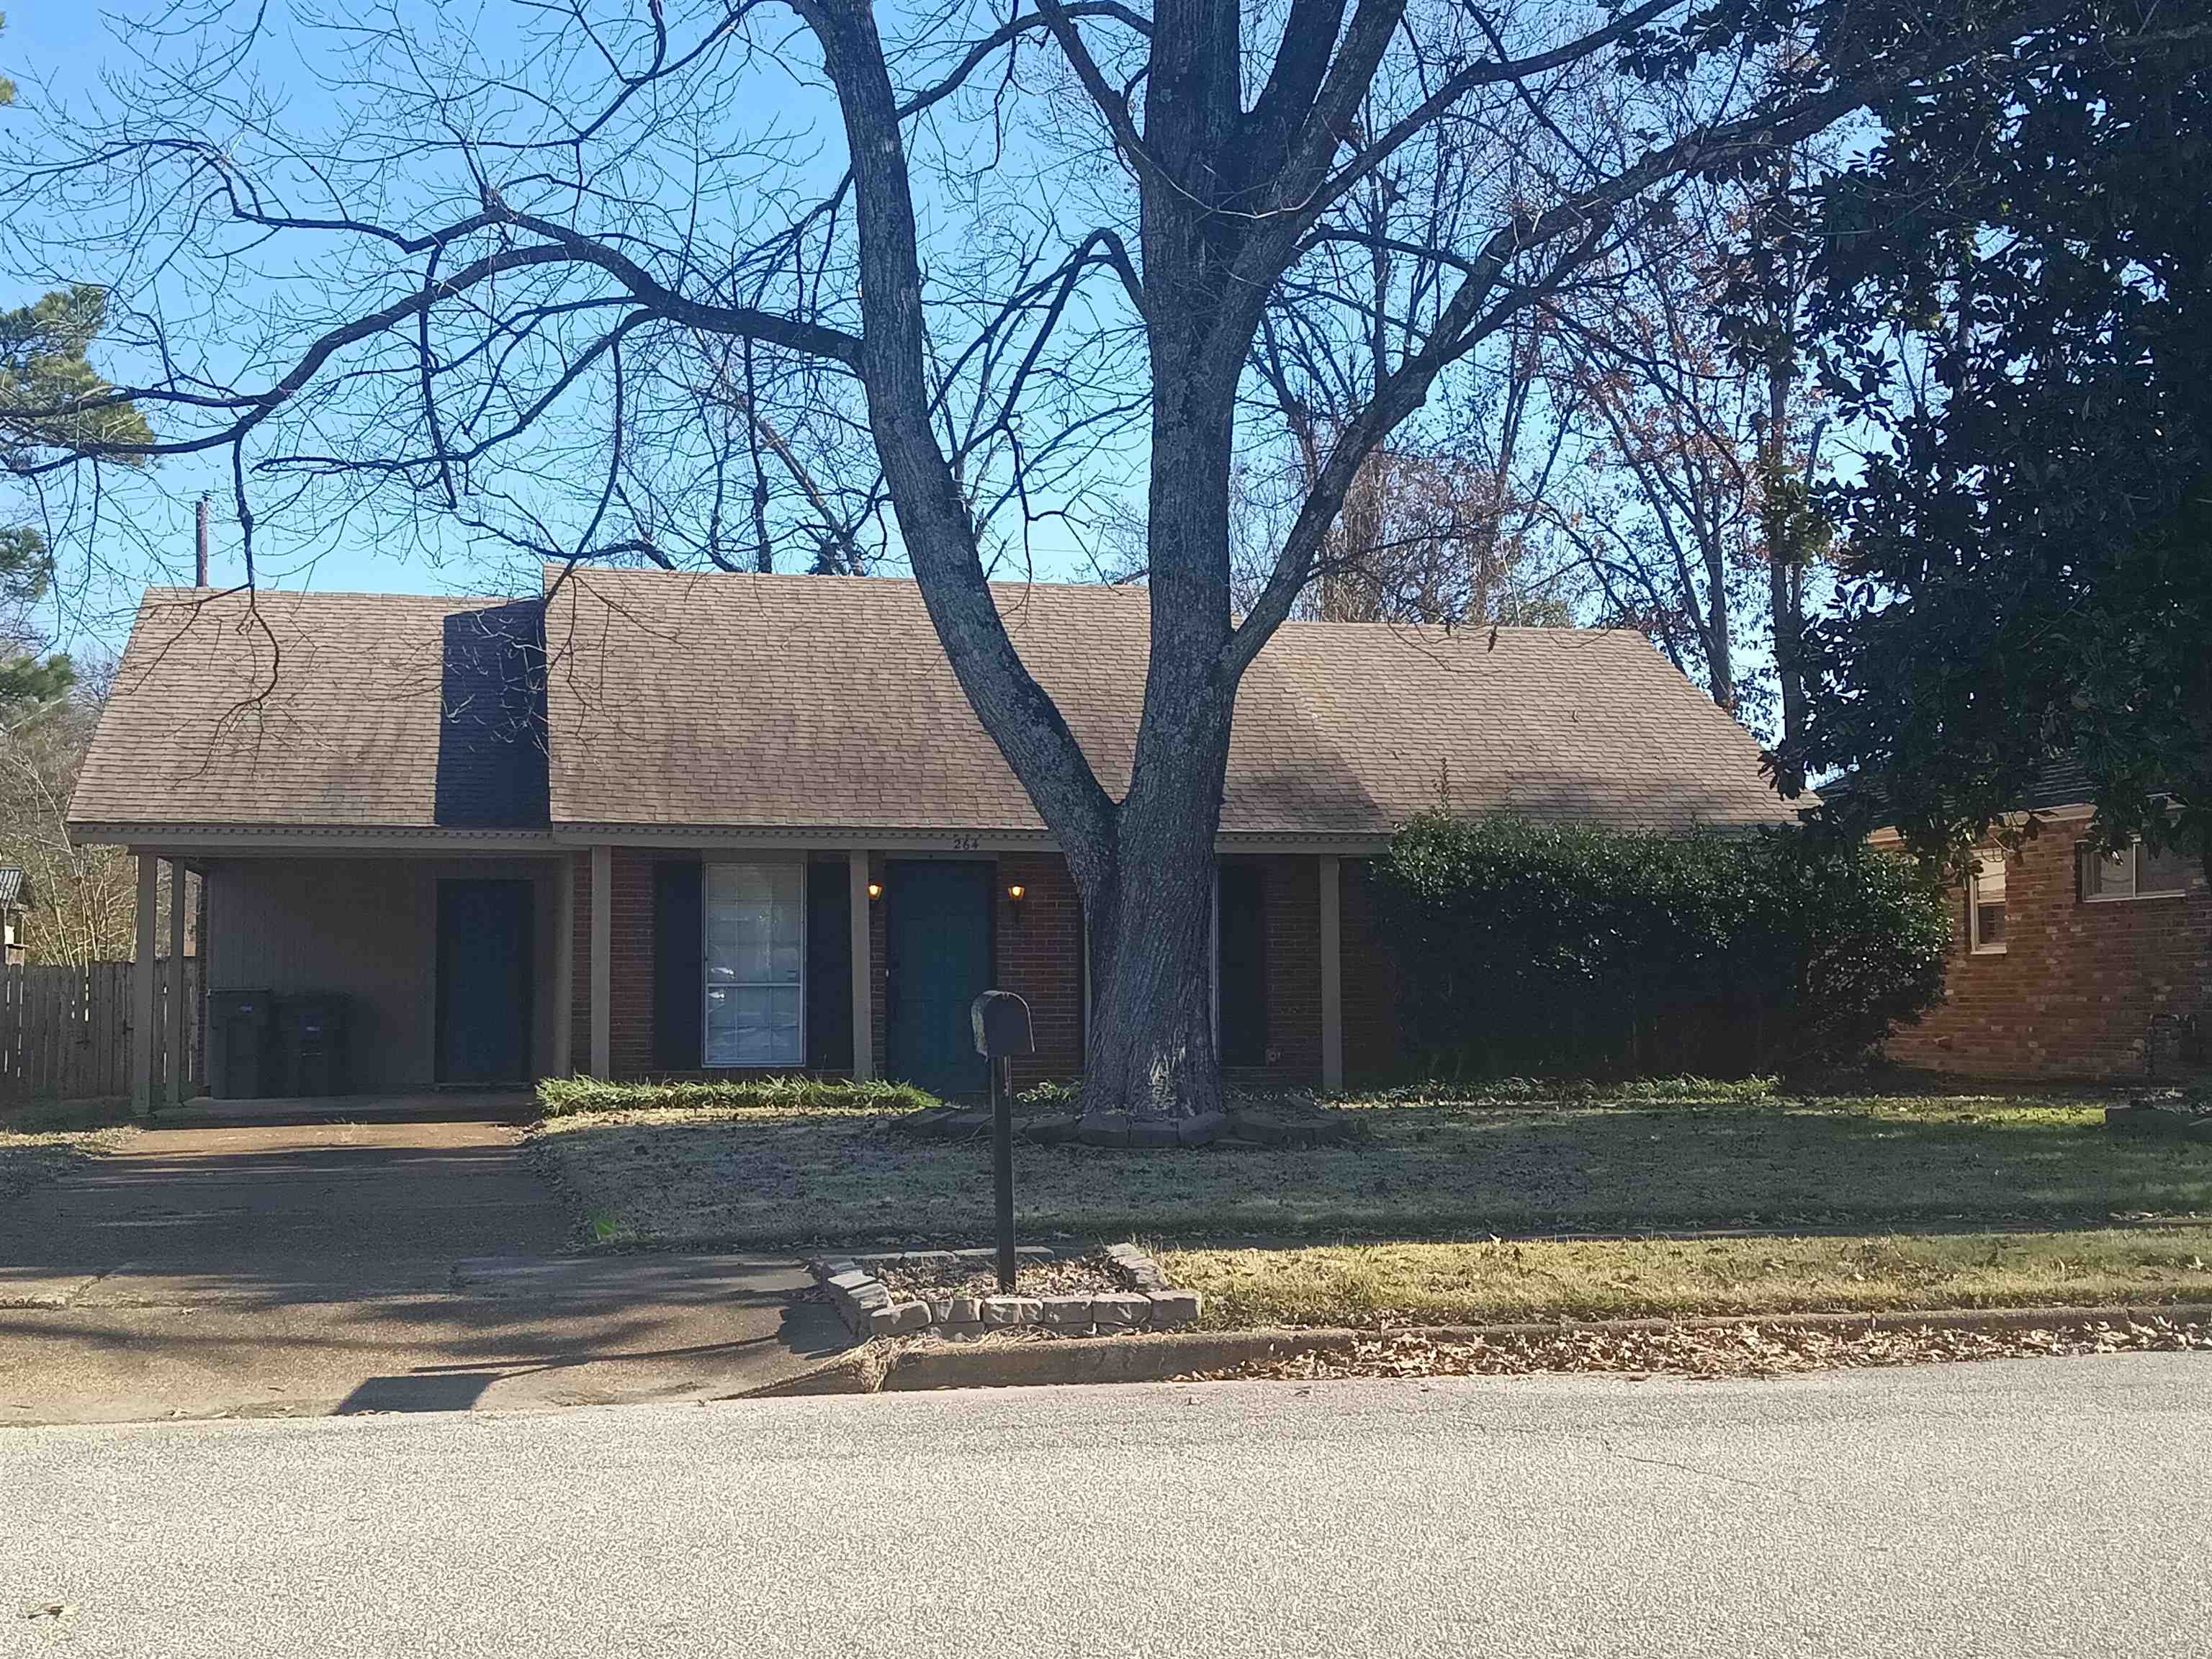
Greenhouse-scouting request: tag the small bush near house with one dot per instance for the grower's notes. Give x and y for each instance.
(563, 1096)
(1561, 1092)
(1534, 948)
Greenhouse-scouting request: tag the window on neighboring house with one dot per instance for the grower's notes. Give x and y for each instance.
(1985, 906)
(756, 951)
(2133, 872)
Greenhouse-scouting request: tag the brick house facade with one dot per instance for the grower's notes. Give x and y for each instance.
(2074, 990)
(1037, 953)
(641, 822)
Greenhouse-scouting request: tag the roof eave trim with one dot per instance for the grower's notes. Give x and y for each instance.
(886, 838)
(150, 833)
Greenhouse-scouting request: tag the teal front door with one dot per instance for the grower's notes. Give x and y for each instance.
(937, 962)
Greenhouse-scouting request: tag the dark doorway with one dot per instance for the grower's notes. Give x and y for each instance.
(483, 981)
(1242, 964)
(937, 962)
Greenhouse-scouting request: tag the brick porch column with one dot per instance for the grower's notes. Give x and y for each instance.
(864, 1034)
(564, 967)
(1332, 974)
(602, 959)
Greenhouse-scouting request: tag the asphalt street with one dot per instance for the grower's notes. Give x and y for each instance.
(2015, 1509)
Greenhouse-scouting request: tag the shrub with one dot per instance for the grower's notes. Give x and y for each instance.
(1537, 949)
(561, 1097)
(1053, 1095)
(1560, 1090)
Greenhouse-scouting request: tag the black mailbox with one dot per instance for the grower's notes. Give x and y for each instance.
(1002, 1026)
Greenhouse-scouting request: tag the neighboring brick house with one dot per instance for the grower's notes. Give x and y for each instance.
(654, 823)
(2064, 960)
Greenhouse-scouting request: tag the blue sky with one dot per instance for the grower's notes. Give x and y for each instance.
(58, 54)
(58, 51)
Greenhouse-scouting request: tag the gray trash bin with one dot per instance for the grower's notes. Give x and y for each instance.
(314, 1055)
(241, 1025)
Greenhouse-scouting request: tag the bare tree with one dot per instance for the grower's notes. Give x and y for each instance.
(1692, 499)
(85, 897)
(1771, 293)
(1441, 523)
(1030, 251)
(1664, 509)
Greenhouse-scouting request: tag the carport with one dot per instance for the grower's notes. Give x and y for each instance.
(433, 968)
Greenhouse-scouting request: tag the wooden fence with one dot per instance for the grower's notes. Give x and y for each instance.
(65, 1032)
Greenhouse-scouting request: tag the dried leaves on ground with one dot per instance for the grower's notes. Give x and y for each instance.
(1733, 1351)
(1084, 1276)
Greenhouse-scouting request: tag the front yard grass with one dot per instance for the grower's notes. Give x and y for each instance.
(41, 1141)
(1502, 1281)
(1434, 1169)
(1459, 1212)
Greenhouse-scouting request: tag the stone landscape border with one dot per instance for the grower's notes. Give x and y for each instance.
(865, 1303)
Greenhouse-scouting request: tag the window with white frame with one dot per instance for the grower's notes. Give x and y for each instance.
(755, 966)
(2133, 872)
(1985, 906)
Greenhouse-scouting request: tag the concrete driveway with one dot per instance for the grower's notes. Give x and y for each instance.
(390, 1265)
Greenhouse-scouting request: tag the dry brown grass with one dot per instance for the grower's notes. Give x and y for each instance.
(41, 1141)
(1502, 1281)
(1863, 1203)
(1433, 1169)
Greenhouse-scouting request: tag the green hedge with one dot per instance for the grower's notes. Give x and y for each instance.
(560, 1096)
(1541, 949)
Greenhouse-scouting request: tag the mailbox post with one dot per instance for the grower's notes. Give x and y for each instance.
(1002, 1030)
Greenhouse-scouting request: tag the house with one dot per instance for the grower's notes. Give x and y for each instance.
(2068, 962)
(15, 909)
(651, 823)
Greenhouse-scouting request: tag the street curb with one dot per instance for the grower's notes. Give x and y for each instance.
(1943, 1319)
(1147, 1358)
(1160, 1357)
(860, 1371)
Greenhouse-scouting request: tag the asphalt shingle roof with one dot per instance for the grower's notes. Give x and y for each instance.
(803, 703)
(386, 710)
(799, 701)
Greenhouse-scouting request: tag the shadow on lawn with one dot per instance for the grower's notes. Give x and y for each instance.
(1433, 1169)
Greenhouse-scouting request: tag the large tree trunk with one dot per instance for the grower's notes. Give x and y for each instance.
(1150, 908)
(1150, 925)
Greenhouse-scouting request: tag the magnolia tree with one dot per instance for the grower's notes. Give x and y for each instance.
(666, 280)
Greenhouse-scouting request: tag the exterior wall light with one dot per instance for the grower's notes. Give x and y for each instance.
(1016, 893)
(875, 890)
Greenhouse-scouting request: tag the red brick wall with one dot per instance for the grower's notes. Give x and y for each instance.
(580, 978)
(1040, 955)
(1039, 947)
(1290, 921)
(1372, 1049)
(2074, 993)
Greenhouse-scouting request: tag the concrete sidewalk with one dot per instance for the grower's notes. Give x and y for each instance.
(307, 1269)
